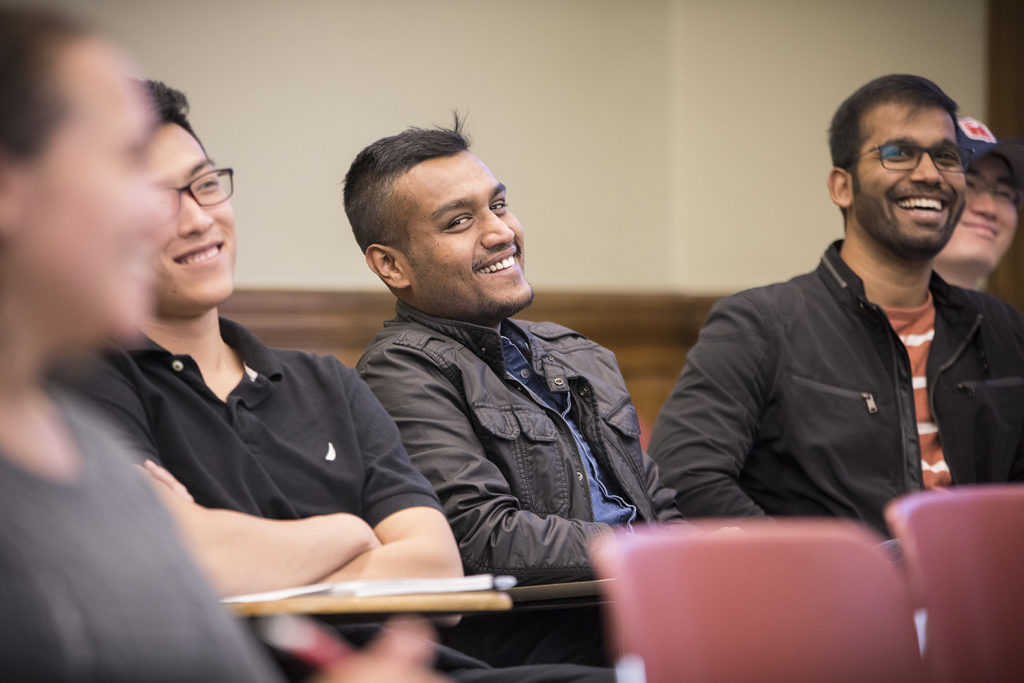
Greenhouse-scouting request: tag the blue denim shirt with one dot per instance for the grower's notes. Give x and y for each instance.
(608, 507)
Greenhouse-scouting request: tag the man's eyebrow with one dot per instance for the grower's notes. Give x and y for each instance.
(946, 142)
(199, 167)
(462, 202)
(1004, 178)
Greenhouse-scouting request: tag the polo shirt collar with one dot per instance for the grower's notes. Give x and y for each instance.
(254, 354)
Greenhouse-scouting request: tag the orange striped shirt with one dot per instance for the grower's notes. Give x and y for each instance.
(916, 328)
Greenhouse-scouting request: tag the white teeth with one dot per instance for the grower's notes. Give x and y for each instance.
(920, 203)
(500, 265)
(201, 256)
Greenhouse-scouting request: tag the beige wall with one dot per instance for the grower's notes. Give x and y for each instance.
(647, 145)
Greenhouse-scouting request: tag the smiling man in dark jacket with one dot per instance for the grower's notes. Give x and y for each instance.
(835, 392)
(526, 430)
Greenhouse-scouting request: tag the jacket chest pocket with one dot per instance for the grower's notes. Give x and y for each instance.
(527, 447)
(992, 413)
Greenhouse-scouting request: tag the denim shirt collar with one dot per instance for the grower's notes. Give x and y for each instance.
(484, 342)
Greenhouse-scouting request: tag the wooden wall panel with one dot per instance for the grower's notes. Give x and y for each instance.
(649, 333)
(1006, 118)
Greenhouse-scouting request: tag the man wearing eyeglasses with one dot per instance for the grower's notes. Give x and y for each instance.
(295, 442)
(834, 392)
(995, 190)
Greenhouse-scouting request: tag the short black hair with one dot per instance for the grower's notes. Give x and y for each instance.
(845, 135)
(171, 106)
(370, 203)
(30, 106)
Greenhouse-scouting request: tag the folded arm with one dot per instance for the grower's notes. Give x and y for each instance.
(242, 553)
(413, 542)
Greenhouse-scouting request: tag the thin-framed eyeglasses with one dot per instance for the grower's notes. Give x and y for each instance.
(209, 189)
(901, 156)
(1003, 194)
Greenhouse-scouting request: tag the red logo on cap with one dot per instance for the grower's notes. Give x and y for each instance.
(976, 130)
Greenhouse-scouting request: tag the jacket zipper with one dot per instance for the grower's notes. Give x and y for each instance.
(942, 368)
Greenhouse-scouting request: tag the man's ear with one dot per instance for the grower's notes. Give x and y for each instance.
(840, 187)
(390, 265)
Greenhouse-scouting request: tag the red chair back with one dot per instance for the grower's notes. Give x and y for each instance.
(801, 600)
(964, 550)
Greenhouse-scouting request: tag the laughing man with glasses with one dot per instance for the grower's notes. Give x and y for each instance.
(995, 191)
(835, 392)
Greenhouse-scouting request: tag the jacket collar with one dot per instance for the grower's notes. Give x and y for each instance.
(951, 301)
(484, 342)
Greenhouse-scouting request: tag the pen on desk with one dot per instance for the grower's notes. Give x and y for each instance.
(304, 639)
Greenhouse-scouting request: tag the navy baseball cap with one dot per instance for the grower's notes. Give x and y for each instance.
(976, 136)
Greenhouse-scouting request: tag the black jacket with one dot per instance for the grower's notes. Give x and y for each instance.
(797, 400)
(509, 476)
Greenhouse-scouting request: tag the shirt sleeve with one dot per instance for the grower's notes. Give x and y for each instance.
(111, 386)
(708, 425)
(391, 483)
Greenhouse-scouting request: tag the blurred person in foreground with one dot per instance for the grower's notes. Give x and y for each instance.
(94, 584)
(995, 191)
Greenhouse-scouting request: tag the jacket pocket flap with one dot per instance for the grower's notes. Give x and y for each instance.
(499, 423)
(623, 417)
(536, 425)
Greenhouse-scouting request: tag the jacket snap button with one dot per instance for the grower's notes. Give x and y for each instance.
(559, 382)
(177, 365)
(579, 476)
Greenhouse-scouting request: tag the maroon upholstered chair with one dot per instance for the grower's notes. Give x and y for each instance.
(800, 600)
(964, 551)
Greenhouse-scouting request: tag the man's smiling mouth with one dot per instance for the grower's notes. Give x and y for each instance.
(926, 203)
(500, 265)
(199, 256)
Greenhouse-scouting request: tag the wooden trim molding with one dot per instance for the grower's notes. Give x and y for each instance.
(649, 333)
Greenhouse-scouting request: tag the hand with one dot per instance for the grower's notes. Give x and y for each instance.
(167, 479)
(404, 651)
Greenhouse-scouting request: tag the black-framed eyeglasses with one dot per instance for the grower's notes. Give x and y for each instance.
(209, 189)
(901, 156)
(1002, 193)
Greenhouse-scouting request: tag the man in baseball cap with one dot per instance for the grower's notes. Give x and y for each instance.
(995, 190)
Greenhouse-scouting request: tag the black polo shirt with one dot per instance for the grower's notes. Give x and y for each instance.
(300, 435)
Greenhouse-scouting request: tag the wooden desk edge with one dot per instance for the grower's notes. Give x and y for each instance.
(433, 603)
(593, 588)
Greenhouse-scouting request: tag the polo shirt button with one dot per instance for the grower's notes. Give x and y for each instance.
(583, 391)
(524, 373)
(177, 365)
(559, 382)
(579, 476)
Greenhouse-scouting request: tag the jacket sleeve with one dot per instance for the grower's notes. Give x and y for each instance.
(495, 534)
(663, 498)
(707, 427)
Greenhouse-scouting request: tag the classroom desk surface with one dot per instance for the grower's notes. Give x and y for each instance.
(422, 603)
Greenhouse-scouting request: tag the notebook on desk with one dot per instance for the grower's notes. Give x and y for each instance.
(376, 587)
